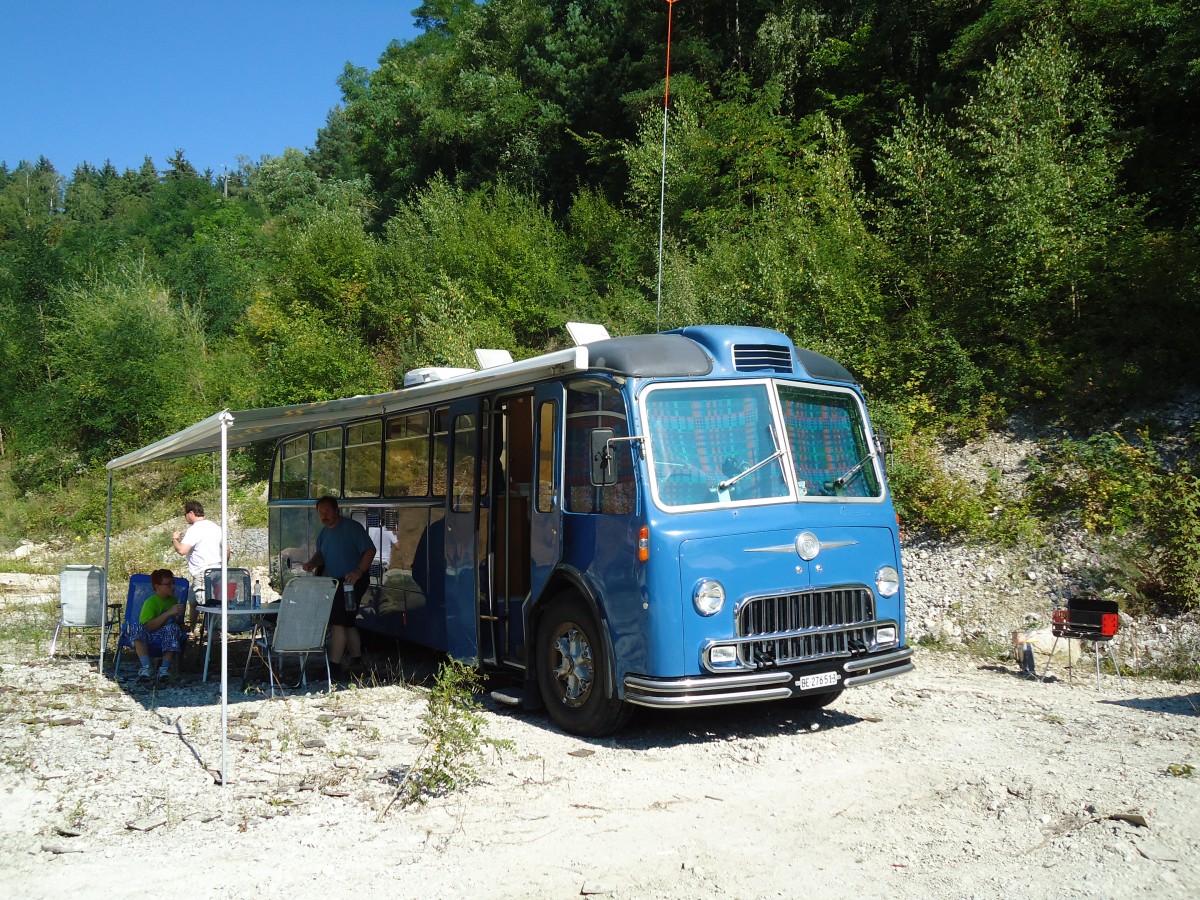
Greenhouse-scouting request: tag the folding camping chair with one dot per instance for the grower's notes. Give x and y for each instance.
(300, 629)
(81, 605)
(1086, 619)
(140, 588)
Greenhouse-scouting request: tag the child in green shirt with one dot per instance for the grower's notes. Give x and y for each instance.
(158, 632)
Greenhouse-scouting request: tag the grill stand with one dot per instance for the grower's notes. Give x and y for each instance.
(1095, 648)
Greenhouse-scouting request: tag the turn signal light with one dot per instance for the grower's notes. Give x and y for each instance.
(644, 543)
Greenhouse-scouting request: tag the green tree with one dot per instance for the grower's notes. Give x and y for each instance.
(124, 361)
(502, 252)
(1006, 221)
(328, 266)
(303, 363)
(1146, 51)
(219, 269)
(179, 167)
(30, 197)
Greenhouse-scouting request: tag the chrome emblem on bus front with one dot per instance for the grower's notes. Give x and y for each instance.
(806, 546)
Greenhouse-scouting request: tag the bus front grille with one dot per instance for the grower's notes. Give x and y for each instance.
(806, 626)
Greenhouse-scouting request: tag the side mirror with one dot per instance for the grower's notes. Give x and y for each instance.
(604, 462)
(884, 443)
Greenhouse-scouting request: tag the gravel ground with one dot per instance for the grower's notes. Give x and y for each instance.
(960, 779)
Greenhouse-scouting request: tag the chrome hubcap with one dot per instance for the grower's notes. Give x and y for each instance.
(574, 671)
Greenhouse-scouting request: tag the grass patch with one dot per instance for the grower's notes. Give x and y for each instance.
(26, 627)
(1181, 663)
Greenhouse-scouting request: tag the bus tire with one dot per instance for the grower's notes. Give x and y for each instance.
(573, 671)
(815, 701)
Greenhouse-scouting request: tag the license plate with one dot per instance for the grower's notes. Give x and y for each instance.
(825, 679)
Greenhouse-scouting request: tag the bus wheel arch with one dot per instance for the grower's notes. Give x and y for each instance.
(563, 582)
(574, 666)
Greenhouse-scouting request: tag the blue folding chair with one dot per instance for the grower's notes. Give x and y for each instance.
(140, 588)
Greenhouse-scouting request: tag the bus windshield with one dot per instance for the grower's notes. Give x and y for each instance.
(831, 451)
(714, 444)
(721, 443)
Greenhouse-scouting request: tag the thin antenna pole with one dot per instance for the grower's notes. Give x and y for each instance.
(662, 197)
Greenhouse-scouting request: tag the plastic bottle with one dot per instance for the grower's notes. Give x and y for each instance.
(257, 601)
(348, 592)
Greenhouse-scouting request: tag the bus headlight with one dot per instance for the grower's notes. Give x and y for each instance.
(887, 581)
(708, 596)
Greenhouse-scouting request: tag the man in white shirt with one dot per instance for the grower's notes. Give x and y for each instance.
(201, 545)
(384, 539)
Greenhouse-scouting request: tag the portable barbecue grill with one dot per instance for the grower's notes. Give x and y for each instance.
(1086, 619)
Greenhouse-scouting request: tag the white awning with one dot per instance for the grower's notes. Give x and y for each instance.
(250, 426)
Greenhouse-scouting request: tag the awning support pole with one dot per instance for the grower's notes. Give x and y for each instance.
(107, 540)
(225, 419)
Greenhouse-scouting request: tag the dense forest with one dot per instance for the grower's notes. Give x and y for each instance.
(977, 207)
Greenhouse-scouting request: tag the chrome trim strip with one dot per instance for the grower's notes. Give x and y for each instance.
(876, 676)
(770, 636)
(708, 699)
(791, 548)
(874, 662)
(683, 685)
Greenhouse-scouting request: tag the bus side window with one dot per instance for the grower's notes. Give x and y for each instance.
(406, 460)
(327, 462)
(591, 405)
(441, 445)
(293, 470)
(463, 463)
(363, 461)
(546, 487)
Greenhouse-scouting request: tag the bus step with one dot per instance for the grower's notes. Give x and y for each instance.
(510, 696)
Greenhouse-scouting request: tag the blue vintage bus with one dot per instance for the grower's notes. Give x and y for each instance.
(690, 518)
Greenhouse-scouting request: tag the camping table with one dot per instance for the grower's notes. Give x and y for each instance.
(212, 615)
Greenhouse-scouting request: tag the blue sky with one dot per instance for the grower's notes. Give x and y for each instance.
(90, 80)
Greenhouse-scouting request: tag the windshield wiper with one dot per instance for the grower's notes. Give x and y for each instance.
(730, 482)
(841, 481)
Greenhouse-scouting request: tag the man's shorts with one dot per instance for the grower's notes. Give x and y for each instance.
(348, 618)
(196, 592)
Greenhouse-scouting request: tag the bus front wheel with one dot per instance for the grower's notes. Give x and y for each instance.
(573, 671)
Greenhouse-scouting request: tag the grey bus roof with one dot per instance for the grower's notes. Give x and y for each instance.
(650, 356)
(823, 367)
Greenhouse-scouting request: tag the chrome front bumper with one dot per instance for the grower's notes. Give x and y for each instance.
(765, 684)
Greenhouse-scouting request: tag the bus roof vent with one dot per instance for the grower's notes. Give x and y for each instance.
(757, 357)
(587, 333)
(489, 359)
(433, 373)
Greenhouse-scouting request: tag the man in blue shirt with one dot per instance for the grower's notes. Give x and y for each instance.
(345, 551)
